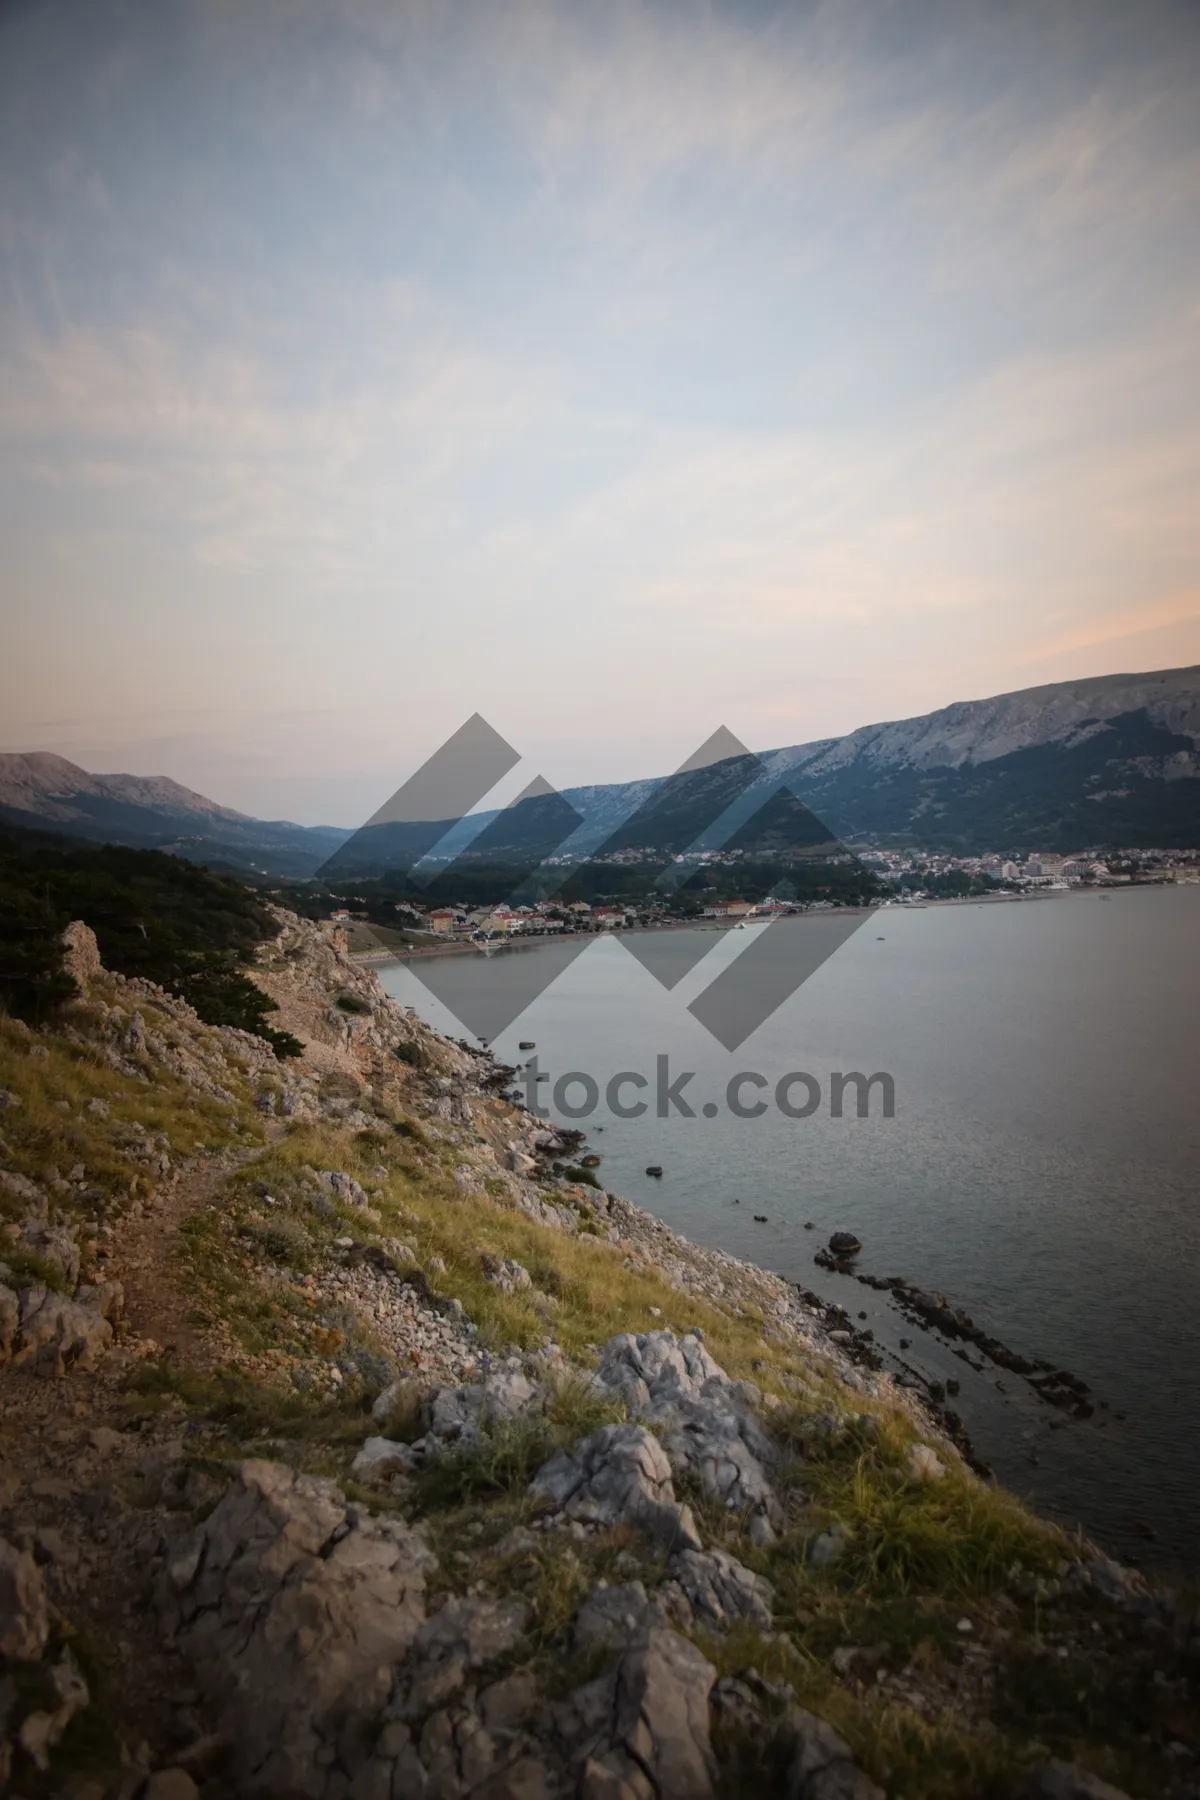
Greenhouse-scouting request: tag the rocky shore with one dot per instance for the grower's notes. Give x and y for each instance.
(351, 1450)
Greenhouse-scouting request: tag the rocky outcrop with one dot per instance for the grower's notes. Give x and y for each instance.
(619, 1475)
(710, 1590)
(293, 1607)
(712, 1426)
(642, 1731)
(50, 1329)
(56, 1333)
(705, 1590)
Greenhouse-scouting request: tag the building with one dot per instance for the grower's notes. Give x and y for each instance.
(442, 920)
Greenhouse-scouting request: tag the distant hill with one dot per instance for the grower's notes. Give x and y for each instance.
(151, 812)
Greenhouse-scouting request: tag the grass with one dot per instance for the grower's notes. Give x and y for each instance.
(598, 1289)
(41, 1136)
(247, 1412)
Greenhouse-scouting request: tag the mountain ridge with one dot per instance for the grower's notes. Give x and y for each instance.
(1108, 759)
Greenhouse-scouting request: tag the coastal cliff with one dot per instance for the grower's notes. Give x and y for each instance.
(351, 1449)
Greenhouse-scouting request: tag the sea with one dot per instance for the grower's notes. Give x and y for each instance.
(1040, 1167)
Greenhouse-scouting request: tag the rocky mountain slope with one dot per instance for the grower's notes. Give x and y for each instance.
(351, 1446)
(152, 812)
(1114, 760)
(1110, 760)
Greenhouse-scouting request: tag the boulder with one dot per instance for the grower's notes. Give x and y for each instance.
(292, 1608)
(456, 1414)
(381, 1458)
(57, 1334)
(343, 1186)
(618, 1475)
(844, 1243)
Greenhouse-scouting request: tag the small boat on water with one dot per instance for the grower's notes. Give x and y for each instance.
(527, 1044)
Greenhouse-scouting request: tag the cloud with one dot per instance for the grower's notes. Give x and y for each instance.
(612, 360)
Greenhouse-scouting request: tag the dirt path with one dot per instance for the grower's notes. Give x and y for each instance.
(157, 1308)
(81, 1475)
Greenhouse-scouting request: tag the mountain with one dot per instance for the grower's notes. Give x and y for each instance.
(1113, 760)
(44, 791)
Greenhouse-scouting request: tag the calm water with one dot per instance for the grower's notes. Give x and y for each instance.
(1042, 1168)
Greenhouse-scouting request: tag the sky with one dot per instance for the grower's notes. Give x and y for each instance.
(615, 371)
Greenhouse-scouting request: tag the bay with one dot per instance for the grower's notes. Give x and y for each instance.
(1041, 1169)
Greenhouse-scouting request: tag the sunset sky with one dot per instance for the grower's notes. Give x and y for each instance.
(616, 370)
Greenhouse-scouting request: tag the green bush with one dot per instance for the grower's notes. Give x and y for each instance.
(155, 916)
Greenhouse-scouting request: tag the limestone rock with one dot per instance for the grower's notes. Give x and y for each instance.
(292, 1607)
(24, 1611)
(643, 1730)
(615, 1616)
(618, 1475)
(381, 1458)
(464, 1636)
(344, 1186)
(57, 1334)
(717, 1591)
(20, 1186)
(456, 1414)
(713, 1429)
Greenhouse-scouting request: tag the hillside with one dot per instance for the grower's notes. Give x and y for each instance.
(351, 1446)
(1114, 760)
(39, 790)
(1111, 761)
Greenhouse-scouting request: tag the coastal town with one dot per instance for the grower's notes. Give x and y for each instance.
(905, 878)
